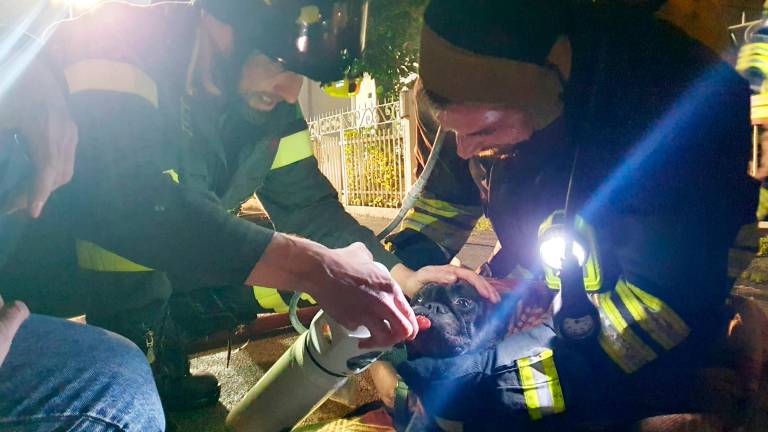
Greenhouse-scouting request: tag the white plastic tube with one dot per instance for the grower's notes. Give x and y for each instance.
(311, 370)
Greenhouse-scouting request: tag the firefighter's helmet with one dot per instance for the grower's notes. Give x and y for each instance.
(316, 38)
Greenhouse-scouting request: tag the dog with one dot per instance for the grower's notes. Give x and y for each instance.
(454, 319)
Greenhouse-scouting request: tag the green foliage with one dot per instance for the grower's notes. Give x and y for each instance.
(392, 48)
(373, 172)
(483, 224)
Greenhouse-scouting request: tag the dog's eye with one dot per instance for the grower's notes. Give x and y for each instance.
(419, 299)
(462, 302)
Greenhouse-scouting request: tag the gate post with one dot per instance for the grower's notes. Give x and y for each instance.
(409, 128)
(344, 175)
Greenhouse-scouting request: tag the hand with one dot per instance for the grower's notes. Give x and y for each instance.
(346, 283)
(413, 281)
(358, 292)
(11, 318)
(43, 120)
(52, 140)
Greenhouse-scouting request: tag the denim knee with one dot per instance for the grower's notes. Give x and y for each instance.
(58, 369)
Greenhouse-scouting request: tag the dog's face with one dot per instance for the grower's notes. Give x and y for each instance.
(461, 321)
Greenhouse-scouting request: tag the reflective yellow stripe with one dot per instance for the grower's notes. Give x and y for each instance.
(438, 207)
(762, 204)
(173, 175)
(418, 221)
(307, 298)
(663, 322)
(653, 316)
(293, 148)
(541, 385)
(554, 384)
(446, 235)
(269, 298)
(619, 341)
(95, 258)
(111, 76)
(636, 309)
(530, 393)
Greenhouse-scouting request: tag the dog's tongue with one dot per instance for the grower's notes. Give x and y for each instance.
(424, 322)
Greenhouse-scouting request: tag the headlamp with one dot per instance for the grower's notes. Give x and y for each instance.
(552, 247)
(316, 38)
(575, 317)
(343, 89)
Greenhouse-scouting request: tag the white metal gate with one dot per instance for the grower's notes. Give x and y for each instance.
(364, 153)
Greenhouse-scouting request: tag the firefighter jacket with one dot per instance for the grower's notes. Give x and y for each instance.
(129, 203)
(660, 188)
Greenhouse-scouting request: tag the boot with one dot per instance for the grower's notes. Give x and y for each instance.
(204, 311)
(154, 331)
(179, 389)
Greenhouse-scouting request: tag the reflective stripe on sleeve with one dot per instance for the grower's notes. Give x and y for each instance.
(541, 385)
(447, 224)
(643, 313)
(113, 76)
(270, 299)
(293, 148)
(95, 258)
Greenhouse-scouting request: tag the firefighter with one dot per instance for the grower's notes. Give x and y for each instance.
(144, 216)
(54, 373)
(650, 130)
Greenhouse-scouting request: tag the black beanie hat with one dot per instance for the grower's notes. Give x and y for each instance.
(511, 52)
(523, 30)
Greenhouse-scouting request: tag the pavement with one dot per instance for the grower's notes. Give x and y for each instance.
(250, 361)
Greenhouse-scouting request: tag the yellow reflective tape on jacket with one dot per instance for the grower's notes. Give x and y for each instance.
(107, 75)
(307, 298)
(438, 207)
(448, 235)
(624, 347)
(95, 258)
(762, 204)
(541, 385)
(293, 148)
(653, 317)
(270, 298)
(657, 319)
(173, 175)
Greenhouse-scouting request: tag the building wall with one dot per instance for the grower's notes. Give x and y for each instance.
(314, 101)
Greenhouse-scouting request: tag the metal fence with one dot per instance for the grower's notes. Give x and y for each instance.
(363, 153)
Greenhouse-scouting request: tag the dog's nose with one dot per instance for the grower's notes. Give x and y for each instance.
(436, 308)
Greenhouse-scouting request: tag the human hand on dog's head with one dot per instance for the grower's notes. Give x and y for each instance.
(455, 319)
(412, 282)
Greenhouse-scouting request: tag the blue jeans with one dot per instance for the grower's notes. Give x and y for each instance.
(64, 376)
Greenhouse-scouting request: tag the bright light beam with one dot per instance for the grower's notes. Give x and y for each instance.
(684, 114)
(13, 64)
(15, 34)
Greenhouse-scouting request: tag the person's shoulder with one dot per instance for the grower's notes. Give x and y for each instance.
(144, 36)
